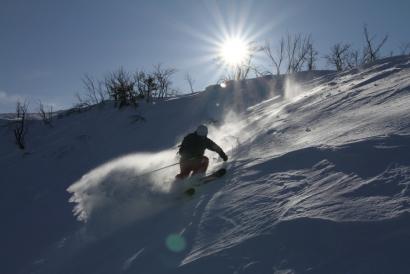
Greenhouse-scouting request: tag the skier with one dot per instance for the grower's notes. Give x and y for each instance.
(192, 153)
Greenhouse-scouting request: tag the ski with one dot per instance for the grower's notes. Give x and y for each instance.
(204, 180)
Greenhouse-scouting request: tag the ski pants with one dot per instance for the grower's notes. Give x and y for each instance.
(196, 166)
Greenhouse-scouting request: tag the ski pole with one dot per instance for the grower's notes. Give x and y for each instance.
(164, 167)
(155, 170)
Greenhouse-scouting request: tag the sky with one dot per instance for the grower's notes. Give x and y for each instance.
(47, 46)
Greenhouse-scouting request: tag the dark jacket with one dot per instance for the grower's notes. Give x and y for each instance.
(193, 146)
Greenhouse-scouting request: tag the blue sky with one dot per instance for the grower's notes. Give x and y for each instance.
(46, 46)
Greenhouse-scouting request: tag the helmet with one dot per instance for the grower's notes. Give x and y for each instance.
(202, 131)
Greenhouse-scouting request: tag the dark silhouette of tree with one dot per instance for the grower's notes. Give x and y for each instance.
(275, 58)
(371, 51)
(339, 56)
(20, 124)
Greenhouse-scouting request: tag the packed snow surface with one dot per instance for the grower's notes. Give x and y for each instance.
(318, 181)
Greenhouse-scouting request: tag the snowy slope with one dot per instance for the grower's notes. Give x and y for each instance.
(318, 182)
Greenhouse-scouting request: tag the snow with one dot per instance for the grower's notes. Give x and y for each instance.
(318, 181)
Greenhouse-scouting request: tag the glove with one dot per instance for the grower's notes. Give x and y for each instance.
(224, 157)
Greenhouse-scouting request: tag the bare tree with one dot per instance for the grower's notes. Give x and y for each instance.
(311, 57)
(146, 85)
(82, 103)
(190, 81)
(404, 48)
(94, 90)
(46, 113)
(353, 59)
(126, 88)
(339, 56)
(276, 58)
(242, 71)
(20, 124)
(296, 50)
(139, 78)
(151, 87)
(162, 77)
(120, 87)
(371, 51)
(94, 93)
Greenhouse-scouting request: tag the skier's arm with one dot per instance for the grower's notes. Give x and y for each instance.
(182, 146)
(214, 147)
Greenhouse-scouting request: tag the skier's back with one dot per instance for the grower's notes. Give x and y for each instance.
(192, 152)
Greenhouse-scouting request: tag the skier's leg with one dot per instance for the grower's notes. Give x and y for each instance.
(186, 168)
(202, 166)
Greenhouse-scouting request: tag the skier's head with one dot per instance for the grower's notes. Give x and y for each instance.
(202, 131)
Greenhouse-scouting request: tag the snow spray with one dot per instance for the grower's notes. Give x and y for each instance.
(123, 190)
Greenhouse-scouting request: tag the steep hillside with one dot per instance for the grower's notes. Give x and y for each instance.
(318, 182)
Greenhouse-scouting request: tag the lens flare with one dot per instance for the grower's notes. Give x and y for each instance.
(175, 243)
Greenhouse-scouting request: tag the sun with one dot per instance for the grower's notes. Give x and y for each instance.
(234, 51)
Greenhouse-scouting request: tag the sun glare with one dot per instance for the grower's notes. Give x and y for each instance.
(229, 39)
(234, 51)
